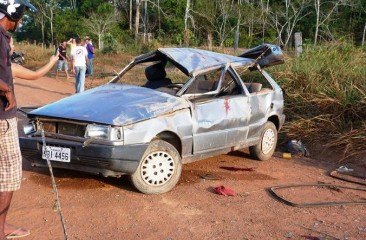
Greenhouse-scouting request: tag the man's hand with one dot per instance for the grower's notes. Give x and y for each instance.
(73, 70)
(11, 100)
(54, 58)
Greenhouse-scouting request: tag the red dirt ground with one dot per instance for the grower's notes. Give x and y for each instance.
(105, 208)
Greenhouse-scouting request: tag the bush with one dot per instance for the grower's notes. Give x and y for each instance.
(110, 44)
(326, 96)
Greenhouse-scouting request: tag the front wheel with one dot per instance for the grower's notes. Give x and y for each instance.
(267, 144)
(159, 169)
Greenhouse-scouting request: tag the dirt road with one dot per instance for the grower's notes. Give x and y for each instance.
(106, 208)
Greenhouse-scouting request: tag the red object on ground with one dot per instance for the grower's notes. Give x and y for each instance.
(235, 169)
(222, 190)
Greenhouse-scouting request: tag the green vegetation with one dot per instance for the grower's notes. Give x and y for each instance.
(326, 96)
(137, 25)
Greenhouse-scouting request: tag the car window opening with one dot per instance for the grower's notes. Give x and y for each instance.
(207, 82)
(229, 86)
(254, 81)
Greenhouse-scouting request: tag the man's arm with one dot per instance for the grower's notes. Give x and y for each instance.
(24, 73)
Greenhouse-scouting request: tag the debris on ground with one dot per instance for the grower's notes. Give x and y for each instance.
(310, 237)
(236, 169)
(343, 169)
(348, 178)
(273, 191)
(222, 190)
(289, 235)
(210, 176)
(286, 155)
(296, 147)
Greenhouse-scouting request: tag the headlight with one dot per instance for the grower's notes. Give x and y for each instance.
(29, 128)
(104, 132)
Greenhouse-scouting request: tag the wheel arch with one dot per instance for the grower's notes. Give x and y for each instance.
(275, 120)
(171, 138)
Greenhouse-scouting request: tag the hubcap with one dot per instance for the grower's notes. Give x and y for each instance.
(157, 168)
(268, 141)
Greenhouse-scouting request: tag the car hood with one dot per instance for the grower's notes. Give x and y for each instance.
(114, 104)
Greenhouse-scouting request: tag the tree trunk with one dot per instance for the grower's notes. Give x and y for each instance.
(137, 19)
(115, 3)
(363, 36)
(317, 10)
(145, 21)
(51, 26)
(42, 29)
(236, 36)
(100, 41)
(131, 6)
(186, 33)
(159, 20)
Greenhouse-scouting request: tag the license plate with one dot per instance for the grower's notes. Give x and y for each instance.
(56, 154)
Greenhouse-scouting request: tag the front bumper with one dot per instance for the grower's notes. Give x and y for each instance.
(94, 158)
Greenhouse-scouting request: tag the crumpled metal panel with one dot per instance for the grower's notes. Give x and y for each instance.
(114, 104)
(196, 60)
(220, 122)
(179, 123)
(266, 55)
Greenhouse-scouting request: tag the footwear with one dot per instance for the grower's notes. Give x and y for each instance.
(19, 233)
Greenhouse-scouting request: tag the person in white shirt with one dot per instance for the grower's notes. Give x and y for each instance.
(79, 56)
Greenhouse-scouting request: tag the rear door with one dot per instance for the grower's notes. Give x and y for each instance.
(260, 99)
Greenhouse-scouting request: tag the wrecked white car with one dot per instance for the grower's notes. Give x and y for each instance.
(224, 104)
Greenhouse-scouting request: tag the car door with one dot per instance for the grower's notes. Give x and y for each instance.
(219, 119)
(260, 100)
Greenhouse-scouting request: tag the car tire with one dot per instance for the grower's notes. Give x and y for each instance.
(159, 169)
(267, 144)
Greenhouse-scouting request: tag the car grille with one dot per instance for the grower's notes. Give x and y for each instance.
(69, 129)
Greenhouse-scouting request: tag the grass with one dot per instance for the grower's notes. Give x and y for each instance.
(326, 97)
(325, 92)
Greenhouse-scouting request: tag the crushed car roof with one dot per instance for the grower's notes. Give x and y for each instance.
(193, 61)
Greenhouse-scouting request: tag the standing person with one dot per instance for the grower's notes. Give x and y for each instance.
(72, 44)
(63, 60)
(79, 58)
(11, 13)
(89, 46)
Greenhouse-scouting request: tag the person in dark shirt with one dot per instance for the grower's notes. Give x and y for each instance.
(63, 61)
(11, 13)
(90, 48)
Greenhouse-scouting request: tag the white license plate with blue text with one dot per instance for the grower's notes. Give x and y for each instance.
(56, 154)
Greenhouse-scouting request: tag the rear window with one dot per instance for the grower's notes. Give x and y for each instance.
(253, 80)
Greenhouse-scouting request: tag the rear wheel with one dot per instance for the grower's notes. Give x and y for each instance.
(267, 144)
(159, 169)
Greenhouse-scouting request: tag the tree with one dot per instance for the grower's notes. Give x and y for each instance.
(100, 22)
(48, 10)
(285, 18)
(324, 11)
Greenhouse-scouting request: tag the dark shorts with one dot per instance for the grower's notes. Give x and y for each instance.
(10, 156)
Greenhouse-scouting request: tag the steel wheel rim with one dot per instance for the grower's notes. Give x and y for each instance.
(157, 168)
(268, 141)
